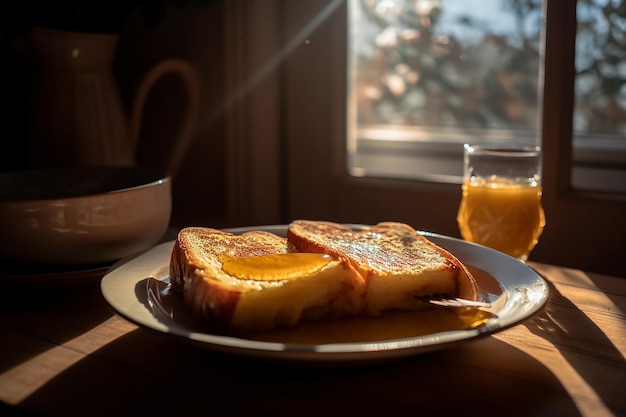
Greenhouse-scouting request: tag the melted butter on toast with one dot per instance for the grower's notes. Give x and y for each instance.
(274, 267)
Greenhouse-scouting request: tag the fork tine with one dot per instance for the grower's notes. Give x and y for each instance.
(473, 303)
(458, 302)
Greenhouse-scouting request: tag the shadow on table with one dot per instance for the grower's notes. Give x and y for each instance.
(563, 324)
(49, 318)
(144, 373)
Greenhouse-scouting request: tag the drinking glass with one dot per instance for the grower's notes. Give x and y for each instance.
(501, 204)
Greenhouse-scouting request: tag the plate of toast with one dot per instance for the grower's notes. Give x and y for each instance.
(319, 292)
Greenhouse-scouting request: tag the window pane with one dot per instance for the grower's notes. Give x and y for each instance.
(600, 87)
(427, 76)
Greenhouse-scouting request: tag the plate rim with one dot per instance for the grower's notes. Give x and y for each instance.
(120, 277)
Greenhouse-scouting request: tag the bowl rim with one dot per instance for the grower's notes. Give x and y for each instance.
(117, 179)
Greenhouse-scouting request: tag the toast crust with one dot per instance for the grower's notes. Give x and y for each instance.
(399, 266)
(230, 304)
(195, 269)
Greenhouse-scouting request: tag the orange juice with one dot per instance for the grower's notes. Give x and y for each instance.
(505, 216)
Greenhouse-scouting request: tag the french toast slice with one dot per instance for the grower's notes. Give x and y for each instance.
(400, 267)
(255, 281)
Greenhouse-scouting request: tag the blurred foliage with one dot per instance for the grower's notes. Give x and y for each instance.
(421, 70)
(420, 74)
(601, 67)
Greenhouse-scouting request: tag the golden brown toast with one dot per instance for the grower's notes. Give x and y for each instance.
(260, 281)
(399, 266)
(254, 281)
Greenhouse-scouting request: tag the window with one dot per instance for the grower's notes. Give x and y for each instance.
(599, 121)
(427, 76)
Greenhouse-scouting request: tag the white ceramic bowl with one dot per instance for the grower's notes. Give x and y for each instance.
(81, 215)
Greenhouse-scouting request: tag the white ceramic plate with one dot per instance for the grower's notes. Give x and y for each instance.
(138, 290)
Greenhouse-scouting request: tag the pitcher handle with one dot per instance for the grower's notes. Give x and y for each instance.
(190, 78)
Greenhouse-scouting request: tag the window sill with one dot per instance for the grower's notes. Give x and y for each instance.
(436, 155)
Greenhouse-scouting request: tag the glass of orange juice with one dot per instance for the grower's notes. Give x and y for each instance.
(501, 203)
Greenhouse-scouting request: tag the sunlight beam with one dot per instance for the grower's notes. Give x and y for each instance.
(37, 371)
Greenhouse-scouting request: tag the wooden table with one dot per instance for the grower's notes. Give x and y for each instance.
(66, 353)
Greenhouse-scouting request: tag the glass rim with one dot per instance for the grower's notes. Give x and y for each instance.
(503, 149)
